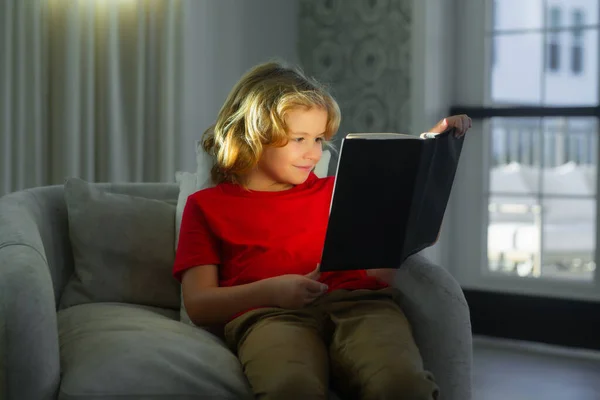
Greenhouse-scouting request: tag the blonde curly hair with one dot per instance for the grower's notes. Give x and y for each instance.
(253, 117)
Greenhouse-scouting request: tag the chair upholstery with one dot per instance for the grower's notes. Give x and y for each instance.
(102, 350)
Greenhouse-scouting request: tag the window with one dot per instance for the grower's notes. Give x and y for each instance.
(577, 45)
(493, 45)
(554, 40)
(530, 214)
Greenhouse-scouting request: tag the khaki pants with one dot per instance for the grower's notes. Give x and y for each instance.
(359, 339)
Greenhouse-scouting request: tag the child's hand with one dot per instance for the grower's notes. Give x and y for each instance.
(461, 123)
(295, 291)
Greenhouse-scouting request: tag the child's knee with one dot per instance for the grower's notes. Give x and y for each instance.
(409, 386)
(292, 386)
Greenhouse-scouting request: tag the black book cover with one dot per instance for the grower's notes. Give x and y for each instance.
(389, 199)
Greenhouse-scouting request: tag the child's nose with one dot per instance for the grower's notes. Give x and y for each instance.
(315, 152)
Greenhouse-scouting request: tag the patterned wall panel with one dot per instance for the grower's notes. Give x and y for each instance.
(362, 50)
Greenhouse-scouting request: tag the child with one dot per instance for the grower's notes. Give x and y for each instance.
(249, 250)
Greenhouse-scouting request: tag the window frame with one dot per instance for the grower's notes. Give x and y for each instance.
(469, 220)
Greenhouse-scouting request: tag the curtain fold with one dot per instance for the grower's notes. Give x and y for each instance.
(90, 89)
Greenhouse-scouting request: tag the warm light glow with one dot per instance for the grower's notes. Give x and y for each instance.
(108, 1)
(103, 3)
(92, 2)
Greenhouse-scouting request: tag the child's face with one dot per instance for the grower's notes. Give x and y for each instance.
(281, 168)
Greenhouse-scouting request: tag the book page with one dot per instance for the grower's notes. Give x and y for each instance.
(380, 136)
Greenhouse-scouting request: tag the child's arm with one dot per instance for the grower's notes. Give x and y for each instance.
(207, 304)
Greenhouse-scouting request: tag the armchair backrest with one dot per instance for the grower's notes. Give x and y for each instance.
(38, 218)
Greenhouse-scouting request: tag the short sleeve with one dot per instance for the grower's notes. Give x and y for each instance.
(197, 243)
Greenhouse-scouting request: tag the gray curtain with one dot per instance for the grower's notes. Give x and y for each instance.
(89, 89)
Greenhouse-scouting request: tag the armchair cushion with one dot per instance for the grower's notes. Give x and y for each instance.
(188, 184)
(436, 307)
(122, 248)
(125, 351)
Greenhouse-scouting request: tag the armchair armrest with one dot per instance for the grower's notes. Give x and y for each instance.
(29, 350)
(434, 303)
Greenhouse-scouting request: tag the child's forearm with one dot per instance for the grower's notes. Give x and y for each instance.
(217, 305)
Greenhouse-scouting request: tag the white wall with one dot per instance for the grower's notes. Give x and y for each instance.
(433, 83)
(222, 40)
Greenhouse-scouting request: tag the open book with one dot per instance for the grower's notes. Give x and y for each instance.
(390, 195)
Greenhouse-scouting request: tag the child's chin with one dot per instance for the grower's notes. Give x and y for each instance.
(299, 180)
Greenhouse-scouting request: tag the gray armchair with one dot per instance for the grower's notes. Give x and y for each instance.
(120, 350)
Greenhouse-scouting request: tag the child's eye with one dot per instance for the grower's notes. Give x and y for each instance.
(299, 140)
(320, 139)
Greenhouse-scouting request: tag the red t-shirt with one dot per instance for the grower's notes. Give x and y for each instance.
(254, 235)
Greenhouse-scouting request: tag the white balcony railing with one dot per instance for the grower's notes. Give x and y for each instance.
(549, 143)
